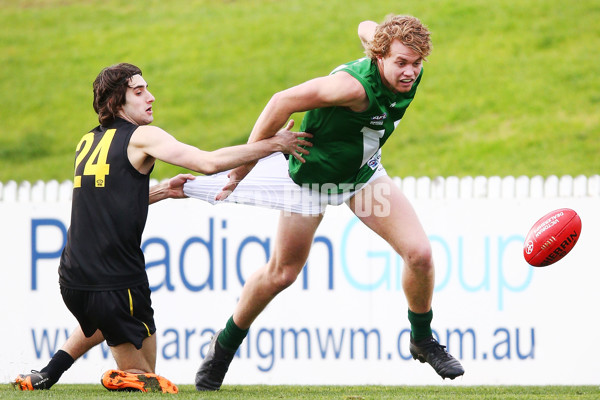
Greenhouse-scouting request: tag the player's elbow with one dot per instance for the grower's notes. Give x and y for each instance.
(208, 164)
(210, 167)
(275, 101)
(362, 27)
(281, 102)
(366, 31)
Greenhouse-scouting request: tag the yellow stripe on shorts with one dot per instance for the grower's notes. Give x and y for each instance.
(130, 302)
(131, 311)
(147, 329)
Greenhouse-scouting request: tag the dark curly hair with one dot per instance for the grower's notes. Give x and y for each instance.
(110, 87)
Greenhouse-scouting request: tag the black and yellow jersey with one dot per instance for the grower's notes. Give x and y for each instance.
(108, 214)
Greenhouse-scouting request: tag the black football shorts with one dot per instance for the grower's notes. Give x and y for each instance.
(123, 316)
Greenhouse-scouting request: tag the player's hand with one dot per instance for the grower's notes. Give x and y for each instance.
(235, 177)
(293, 142)
(175, 185)
(227, 189)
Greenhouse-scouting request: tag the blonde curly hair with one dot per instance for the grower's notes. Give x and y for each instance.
(409, 30)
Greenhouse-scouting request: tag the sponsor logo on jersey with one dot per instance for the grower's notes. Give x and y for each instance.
(373, 163)
(378, 119)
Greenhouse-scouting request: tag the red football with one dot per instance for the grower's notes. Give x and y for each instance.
(552, 237)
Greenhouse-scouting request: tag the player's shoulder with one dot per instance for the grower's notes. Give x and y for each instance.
(351, 83)
(360, 64)
(360, 70)
(356, 73)
(145, 134)
(149, 129)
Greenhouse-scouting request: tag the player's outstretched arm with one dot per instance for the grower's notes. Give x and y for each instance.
(150, 143)
(284, 141)
(339, 89)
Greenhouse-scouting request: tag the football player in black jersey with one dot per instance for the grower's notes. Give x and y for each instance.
(102, 269)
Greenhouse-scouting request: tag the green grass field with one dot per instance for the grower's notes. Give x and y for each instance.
(511, 87)
(68, 392)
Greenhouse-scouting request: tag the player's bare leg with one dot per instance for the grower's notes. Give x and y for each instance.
(295, 234)
(75, 346)
(130, 359)
(136, 369)
(294, 239)
(384, 208)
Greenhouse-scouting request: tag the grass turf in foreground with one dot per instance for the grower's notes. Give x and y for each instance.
(67, 392)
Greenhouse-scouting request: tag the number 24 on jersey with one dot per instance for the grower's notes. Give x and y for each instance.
(96, 164)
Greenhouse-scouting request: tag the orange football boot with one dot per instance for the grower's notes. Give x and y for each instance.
(117, 380)
(34, 381)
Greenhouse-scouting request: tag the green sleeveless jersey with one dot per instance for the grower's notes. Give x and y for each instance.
(346, 144)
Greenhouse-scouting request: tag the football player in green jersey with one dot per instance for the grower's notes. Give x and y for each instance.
(351, 114)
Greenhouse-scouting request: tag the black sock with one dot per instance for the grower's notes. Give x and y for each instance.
(60, 362)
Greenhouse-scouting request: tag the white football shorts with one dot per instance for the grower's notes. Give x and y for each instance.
(269, 185)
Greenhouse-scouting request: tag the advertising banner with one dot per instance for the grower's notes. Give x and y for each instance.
(344, 321)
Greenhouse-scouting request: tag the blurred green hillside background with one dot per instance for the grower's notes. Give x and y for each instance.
(512, 87)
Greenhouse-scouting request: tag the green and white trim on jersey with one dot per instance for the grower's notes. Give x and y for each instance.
(346, 144)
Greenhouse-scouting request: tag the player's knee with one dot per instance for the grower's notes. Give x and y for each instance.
(284, 278)
(419, 257)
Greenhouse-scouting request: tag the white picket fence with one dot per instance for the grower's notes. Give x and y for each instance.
(438, 188)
